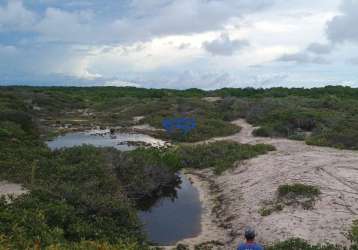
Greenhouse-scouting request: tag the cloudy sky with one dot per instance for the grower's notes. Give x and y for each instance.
(205, 44)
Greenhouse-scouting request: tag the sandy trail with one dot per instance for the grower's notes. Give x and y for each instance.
(236, 196)
(7, 188)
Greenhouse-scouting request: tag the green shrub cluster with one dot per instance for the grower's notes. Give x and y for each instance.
(299, 244)
(297, 190)
(220, 155)
(291, 194)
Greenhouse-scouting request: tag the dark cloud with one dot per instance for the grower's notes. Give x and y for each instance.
(303, 58)
(319, 48)
(344, 26)
(184, 46)
(224, 46)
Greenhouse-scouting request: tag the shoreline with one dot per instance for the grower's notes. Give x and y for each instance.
(211, 233)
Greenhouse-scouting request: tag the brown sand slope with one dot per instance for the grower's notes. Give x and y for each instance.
(242, 191)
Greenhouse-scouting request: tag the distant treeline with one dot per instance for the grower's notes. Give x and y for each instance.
(111, 92)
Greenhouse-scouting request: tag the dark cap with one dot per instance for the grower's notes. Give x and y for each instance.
(249, 233)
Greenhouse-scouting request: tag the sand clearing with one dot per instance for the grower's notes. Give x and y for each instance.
(233, 200)
(7, 188)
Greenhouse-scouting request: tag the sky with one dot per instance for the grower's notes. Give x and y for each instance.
(207, 44)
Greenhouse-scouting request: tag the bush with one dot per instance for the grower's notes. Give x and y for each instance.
(298, 189)
(353, 235)
(263, 132)
(270, 208)
(219, 155)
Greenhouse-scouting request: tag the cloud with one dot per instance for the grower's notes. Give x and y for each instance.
(93, 22)
(184, 46)
(224, 46)
(177, 43)
(303, 58)
(181, 17)
(342, 27)
(14, 16)
(319, 48)
(63, 26)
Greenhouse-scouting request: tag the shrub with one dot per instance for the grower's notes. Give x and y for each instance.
(298, 189)
(219, 155)
(263, 132)
(270, 208)
(353, 235)
(299, 194)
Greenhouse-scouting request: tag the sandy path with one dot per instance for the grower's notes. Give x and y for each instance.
(236, 196)
(7, 188)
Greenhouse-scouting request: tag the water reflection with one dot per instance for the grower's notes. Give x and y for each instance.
(174, 217)
(103, 138)
(169, 192)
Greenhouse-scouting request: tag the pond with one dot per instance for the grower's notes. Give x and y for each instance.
(103, 138)
(173, 216)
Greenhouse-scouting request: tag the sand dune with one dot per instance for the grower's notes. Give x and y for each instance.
(236, 196)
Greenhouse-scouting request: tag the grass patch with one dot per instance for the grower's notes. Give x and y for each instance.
(291, 194)
(298, 194)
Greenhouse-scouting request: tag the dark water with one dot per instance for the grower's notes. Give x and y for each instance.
(173, 214)
(102, 138)
(175, 217)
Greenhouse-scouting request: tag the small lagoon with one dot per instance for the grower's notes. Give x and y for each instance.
(174, 218)
(103, 138)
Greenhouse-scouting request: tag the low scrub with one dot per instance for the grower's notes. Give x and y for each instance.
(297, 190)
(219, 155)
(270, 208)
(291, 194)
(299, 244)
(298, 194)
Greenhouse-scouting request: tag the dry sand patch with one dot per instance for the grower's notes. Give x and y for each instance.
(243, 190)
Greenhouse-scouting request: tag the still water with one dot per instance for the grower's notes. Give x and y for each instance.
(174, 218)
(174, 215)
(102, 138)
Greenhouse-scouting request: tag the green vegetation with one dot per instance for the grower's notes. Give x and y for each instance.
(298, 244)
(353, 234)
(321, 116)
(270, 208)
(325, 116)
(291, 194)
(88, 198)
(220, 155)
(297, 190)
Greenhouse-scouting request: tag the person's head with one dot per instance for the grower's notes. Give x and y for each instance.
(249, 234)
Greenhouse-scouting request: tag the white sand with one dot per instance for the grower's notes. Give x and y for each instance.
(241, 192)
(212, 98)
(7, 188)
